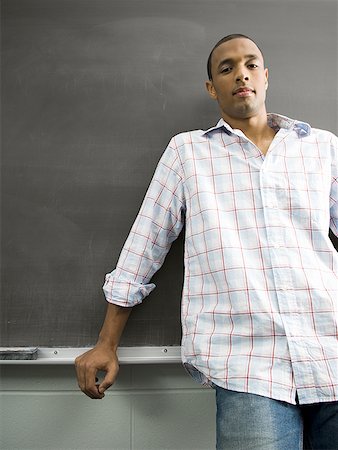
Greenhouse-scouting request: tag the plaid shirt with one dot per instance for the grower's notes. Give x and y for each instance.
(259, 302)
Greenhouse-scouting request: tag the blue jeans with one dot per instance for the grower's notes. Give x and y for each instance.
(248, 421)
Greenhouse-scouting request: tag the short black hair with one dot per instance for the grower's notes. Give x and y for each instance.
(221, 41)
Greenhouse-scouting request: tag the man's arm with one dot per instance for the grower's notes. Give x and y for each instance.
(103, 356)
(158, 223)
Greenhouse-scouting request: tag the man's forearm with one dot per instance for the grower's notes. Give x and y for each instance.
(113, 325)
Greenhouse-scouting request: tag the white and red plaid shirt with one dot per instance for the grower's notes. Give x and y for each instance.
(259, 302)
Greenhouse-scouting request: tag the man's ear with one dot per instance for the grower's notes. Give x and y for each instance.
(211, 90)
(266, 79)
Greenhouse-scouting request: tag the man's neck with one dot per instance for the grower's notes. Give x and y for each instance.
(255, 128)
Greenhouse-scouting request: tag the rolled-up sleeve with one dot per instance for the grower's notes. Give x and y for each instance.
(158, 223)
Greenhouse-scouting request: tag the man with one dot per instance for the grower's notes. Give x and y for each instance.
(259, 304)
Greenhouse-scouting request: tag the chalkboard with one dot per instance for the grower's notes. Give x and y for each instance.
(92, 92)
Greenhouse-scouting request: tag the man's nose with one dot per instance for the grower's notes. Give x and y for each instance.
(242, 77)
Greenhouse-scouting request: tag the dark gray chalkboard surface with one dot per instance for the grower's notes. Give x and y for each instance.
(92, 91)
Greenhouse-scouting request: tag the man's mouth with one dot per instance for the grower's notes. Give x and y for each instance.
(243, 92)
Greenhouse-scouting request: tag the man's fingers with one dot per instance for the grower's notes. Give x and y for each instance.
(80, 373)
(91, 388)
(86, 375)
(89, 364)
(109, 379)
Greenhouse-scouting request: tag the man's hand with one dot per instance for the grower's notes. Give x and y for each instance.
(103, 356)
(87, 365)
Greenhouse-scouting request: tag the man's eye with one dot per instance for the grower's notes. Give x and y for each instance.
(252, 66)
(225, 69)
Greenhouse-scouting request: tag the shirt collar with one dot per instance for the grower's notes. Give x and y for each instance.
(275, 121)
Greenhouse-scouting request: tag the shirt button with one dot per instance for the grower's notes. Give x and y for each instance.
(284, 287)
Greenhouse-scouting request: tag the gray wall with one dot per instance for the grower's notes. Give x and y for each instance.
(152, 407)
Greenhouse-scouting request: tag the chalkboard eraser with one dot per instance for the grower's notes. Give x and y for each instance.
(16, 353)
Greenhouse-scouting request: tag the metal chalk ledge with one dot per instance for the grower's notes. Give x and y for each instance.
(127, 355)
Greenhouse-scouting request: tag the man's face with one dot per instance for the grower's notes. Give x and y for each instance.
(239, 80)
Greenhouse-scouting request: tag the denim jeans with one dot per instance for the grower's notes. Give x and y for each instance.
(248, 421)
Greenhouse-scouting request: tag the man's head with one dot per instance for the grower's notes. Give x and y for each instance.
(237, 77)
(230, 37)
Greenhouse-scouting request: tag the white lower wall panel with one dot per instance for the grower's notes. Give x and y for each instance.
(64, 421)
(150, 407)
(180, 420)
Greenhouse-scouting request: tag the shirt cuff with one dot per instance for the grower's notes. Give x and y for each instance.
(123, 292)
